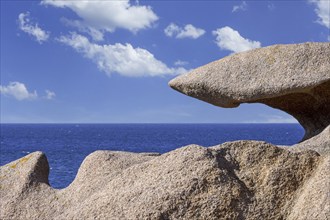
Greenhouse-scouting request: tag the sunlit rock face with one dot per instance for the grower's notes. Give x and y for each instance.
(236, 180)
(294, 78)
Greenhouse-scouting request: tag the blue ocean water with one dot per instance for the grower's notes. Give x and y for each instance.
(66, 145)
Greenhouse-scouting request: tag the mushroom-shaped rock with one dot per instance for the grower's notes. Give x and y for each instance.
(294, 78)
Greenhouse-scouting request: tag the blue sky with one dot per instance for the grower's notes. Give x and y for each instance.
(110, 61)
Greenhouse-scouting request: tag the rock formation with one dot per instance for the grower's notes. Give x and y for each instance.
(319, 143)
(294, 78)
(237, 180)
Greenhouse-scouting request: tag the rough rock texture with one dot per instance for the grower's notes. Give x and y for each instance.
(320, 143)
(294, 78)
(313, 200)
(236, 180)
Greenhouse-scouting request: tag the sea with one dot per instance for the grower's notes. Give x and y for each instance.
(66, 145)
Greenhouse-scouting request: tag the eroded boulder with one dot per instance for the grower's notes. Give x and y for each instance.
(236, 180)
(294, 78)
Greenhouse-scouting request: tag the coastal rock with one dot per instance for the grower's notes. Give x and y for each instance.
(320, 143)
(294, 78)
(27, 171)
(236, 180)
(25, 176)
(313, 201)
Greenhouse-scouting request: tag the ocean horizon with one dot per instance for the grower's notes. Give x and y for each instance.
(67, 144)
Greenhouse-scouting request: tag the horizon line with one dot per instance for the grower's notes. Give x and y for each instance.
(1, 123)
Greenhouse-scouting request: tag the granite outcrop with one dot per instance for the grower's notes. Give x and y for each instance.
(294, 78)
(236, 180)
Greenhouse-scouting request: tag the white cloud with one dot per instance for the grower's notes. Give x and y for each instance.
(50, 94)
(229, 39)
(96, 34)
(323, 11)
(180, 63)
(120, 58)
(26, 25)
(18, 91)
(241, 7)
(100, 16)
(171, 29)
(189, 31)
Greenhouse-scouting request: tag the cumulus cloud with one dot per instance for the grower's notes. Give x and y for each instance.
(240, 7)
(18, 91)
(120, 58)
(100, 16)
(188, 31)
(323, 11)
(50, 94)
(96, 34)
(33, 29)
(230, 39)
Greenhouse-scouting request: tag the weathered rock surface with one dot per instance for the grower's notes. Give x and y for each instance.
(320, 143)
(236, 180)
(294, 78)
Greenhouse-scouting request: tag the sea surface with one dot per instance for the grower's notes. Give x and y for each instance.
(66, 145)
